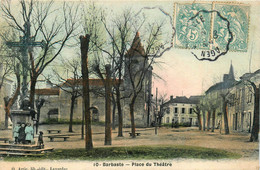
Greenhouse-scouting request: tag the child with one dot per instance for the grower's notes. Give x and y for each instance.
(16, 132)
(21, 136)
(40, 140)
(29, 133)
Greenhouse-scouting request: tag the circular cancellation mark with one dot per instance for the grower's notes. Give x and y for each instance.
(199, 37)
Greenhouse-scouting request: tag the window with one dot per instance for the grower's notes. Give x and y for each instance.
(183, 110)
(182, 119)
(190, 110)
(175, 110)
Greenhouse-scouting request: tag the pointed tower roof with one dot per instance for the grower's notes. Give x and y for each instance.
(136, 47)
(231, 72)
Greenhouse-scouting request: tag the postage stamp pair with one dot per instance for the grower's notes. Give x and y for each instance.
(214, 28)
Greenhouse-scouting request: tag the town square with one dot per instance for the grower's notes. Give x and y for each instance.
(133, 85)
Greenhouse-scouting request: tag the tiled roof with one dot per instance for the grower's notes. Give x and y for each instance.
(47, 91)
(185, 100)
(92, 82)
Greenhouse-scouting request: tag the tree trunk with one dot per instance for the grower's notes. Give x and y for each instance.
(108, 129)
(208, 121)
(213, 120)
(71, 112)
(6, 119)
(120, 116)
(225, 116)
(32, 91)
(84, 47)
(82, 122)
(199, 120)
(204, 120)
(113, 116)
(9, 102)
(39, 106)
(131, 105)
(255, 128)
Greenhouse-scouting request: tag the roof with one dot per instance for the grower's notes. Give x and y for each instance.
(195, 99)
(221, 86)
(92, 82)
(47, 91)
(185, 100)
(137, 48)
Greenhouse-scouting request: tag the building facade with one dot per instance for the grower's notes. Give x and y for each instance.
(58, 103)
(180, 110)
(239, 96)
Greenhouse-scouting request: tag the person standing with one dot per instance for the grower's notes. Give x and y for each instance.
(21, 136)
(29, 133)
(16, 132)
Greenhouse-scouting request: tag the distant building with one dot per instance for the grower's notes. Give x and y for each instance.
(213, 98)
(57, 105)
(180, 110)
(240, 97)
(241, 106)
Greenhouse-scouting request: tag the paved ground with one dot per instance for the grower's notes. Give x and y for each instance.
(166, 136)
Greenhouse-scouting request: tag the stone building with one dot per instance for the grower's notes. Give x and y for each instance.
(58, 101)
(180, 109)
(241, 107)
(240, 98)
(213, 100)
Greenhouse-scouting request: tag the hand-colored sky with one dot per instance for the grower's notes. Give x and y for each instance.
(183, 74)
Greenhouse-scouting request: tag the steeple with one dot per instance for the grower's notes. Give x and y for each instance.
(136, 47)
(231, 75)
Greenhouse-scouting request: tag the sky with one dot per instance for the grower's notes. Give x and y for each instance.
(181, 73)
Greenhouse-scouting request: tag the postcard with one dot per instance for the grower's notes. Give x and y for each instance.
(129, 84)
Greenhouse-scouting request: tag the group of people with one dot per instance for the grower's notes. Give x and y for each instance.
(23, 133)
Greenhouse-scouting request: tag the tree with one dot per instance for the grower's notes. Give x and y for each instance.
(108, 97)
(10, 101)
(84, 47)
(71, 86)
(255, 127)
(9, 66)
(121, 33)
(225, 102)
(162, 101)
(197, 110)
(41, 23)
(145, 57)
(39, 104)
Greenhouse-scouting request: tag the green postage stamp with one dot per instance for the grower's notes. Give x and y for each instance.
(211, 29)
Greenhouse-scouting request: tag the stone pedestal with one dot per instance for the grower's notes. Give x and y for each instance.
(22, 116)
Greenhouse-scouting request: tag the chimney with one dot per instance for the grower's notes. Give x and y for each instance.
(171, 97)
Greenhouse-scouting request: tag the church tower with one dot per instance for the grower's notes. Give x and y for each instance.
(230, 76)
(136, 71)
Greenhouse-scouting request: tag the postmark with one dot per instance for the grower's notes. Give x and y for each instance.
(211, 30)
(213, 49)
(238, 16)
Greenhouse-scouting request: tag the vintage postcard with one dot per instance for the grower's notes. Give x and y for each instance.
(129, 84)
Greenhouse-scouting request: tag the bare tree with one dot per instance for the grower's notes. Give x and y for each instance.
(197, 110)
(10, 101)
(225, 102)
(84, 47)
(72, 86)
(41, 23)
(255, 127)
(162, 100)
(9, 67)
